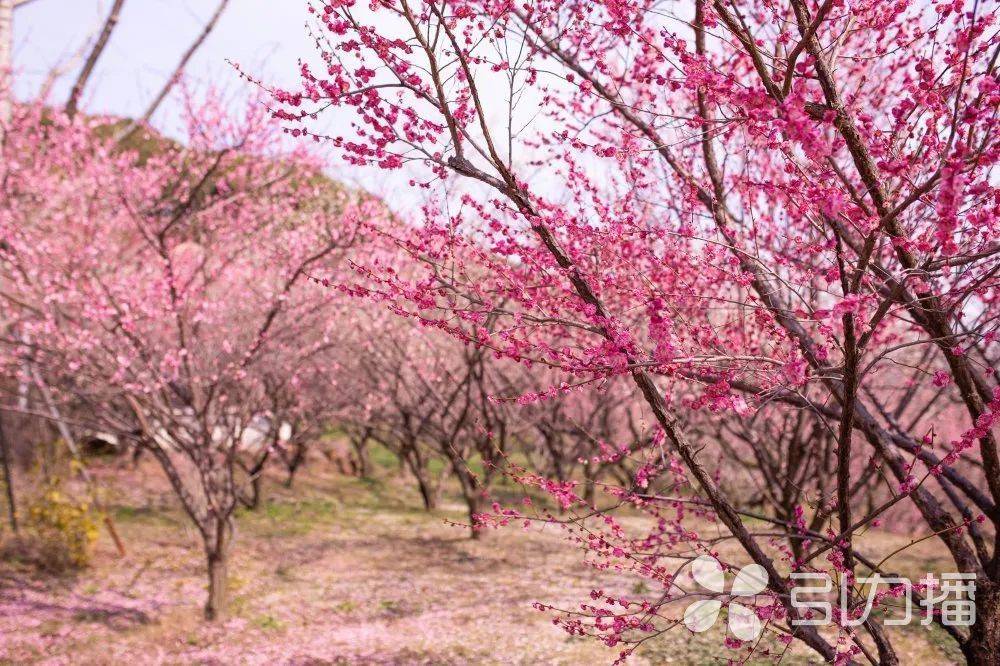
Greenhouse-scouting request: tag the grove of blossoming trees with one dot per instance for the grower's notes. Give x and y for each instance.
(164, 296)
(751, 209)
(675, 279)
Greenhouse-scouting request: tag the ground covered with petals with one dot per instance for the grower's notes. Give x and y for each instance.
(337, 571)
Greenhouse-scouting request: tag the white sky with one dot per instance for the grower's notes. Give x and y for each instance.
(267, 37)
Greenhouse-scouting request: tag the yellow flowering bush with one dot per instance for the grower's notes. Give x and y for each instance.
(66, 529)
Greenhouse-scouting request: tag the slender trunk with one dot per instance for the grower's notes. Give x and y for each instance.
(215, 606)
(983, 647)
(135, 125)
(6, 40)
(256, 492)
(255, 475)
(137, 452)
(847, 431)
(363, 464)
(413, 460)
(589, 483)
(293, 465)
(427, 493)
(95, 53)
(471, 493)
(473, 501)
(217, 553)
(8, 477)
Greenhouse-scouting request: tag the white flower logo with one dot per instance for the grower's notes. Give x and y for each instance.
(703, 614)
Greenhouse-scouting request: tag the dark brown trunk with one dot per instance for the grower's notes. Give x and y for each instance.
(362, 459)
(217, 553)
(256, 491)
(589, 483)
(256, 477)
(418, 467)
(473, 501)
(8, 477)
(470, 493)
(983, 647)
(137, 452)
(294, 464)
(427, 493)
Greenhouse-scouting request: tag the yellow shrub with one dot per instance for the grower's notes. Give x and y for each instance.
(66, 529)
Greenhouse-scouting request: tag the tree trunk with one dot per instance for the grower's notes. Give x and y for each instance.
(256, 492)
(256, 476)
(137, 452)
(470, 493)
(473, 501)
(217, 553)
(135, 125)
(6, 40)
(589, 483)
(95, 53)
(418, 467)
(8, 477)
(294, 463)
(983, 647)
(427, 493)
(363, 464)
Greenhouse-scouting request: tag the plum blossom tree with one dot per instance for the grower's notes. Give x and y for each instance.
(740, 206)
(401, 395)
(588, 434)
(304, 401)
(163, 290)
(427, 397)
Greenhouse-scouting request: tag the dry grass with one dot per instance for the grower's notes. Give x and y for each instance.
(336, 571)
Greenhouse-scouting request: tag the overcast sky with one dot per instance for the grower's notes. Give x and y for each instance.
(265, 35)
(267, 38)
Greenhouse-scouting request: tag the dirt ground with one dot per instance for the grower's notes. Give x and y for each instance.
(337, 571)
